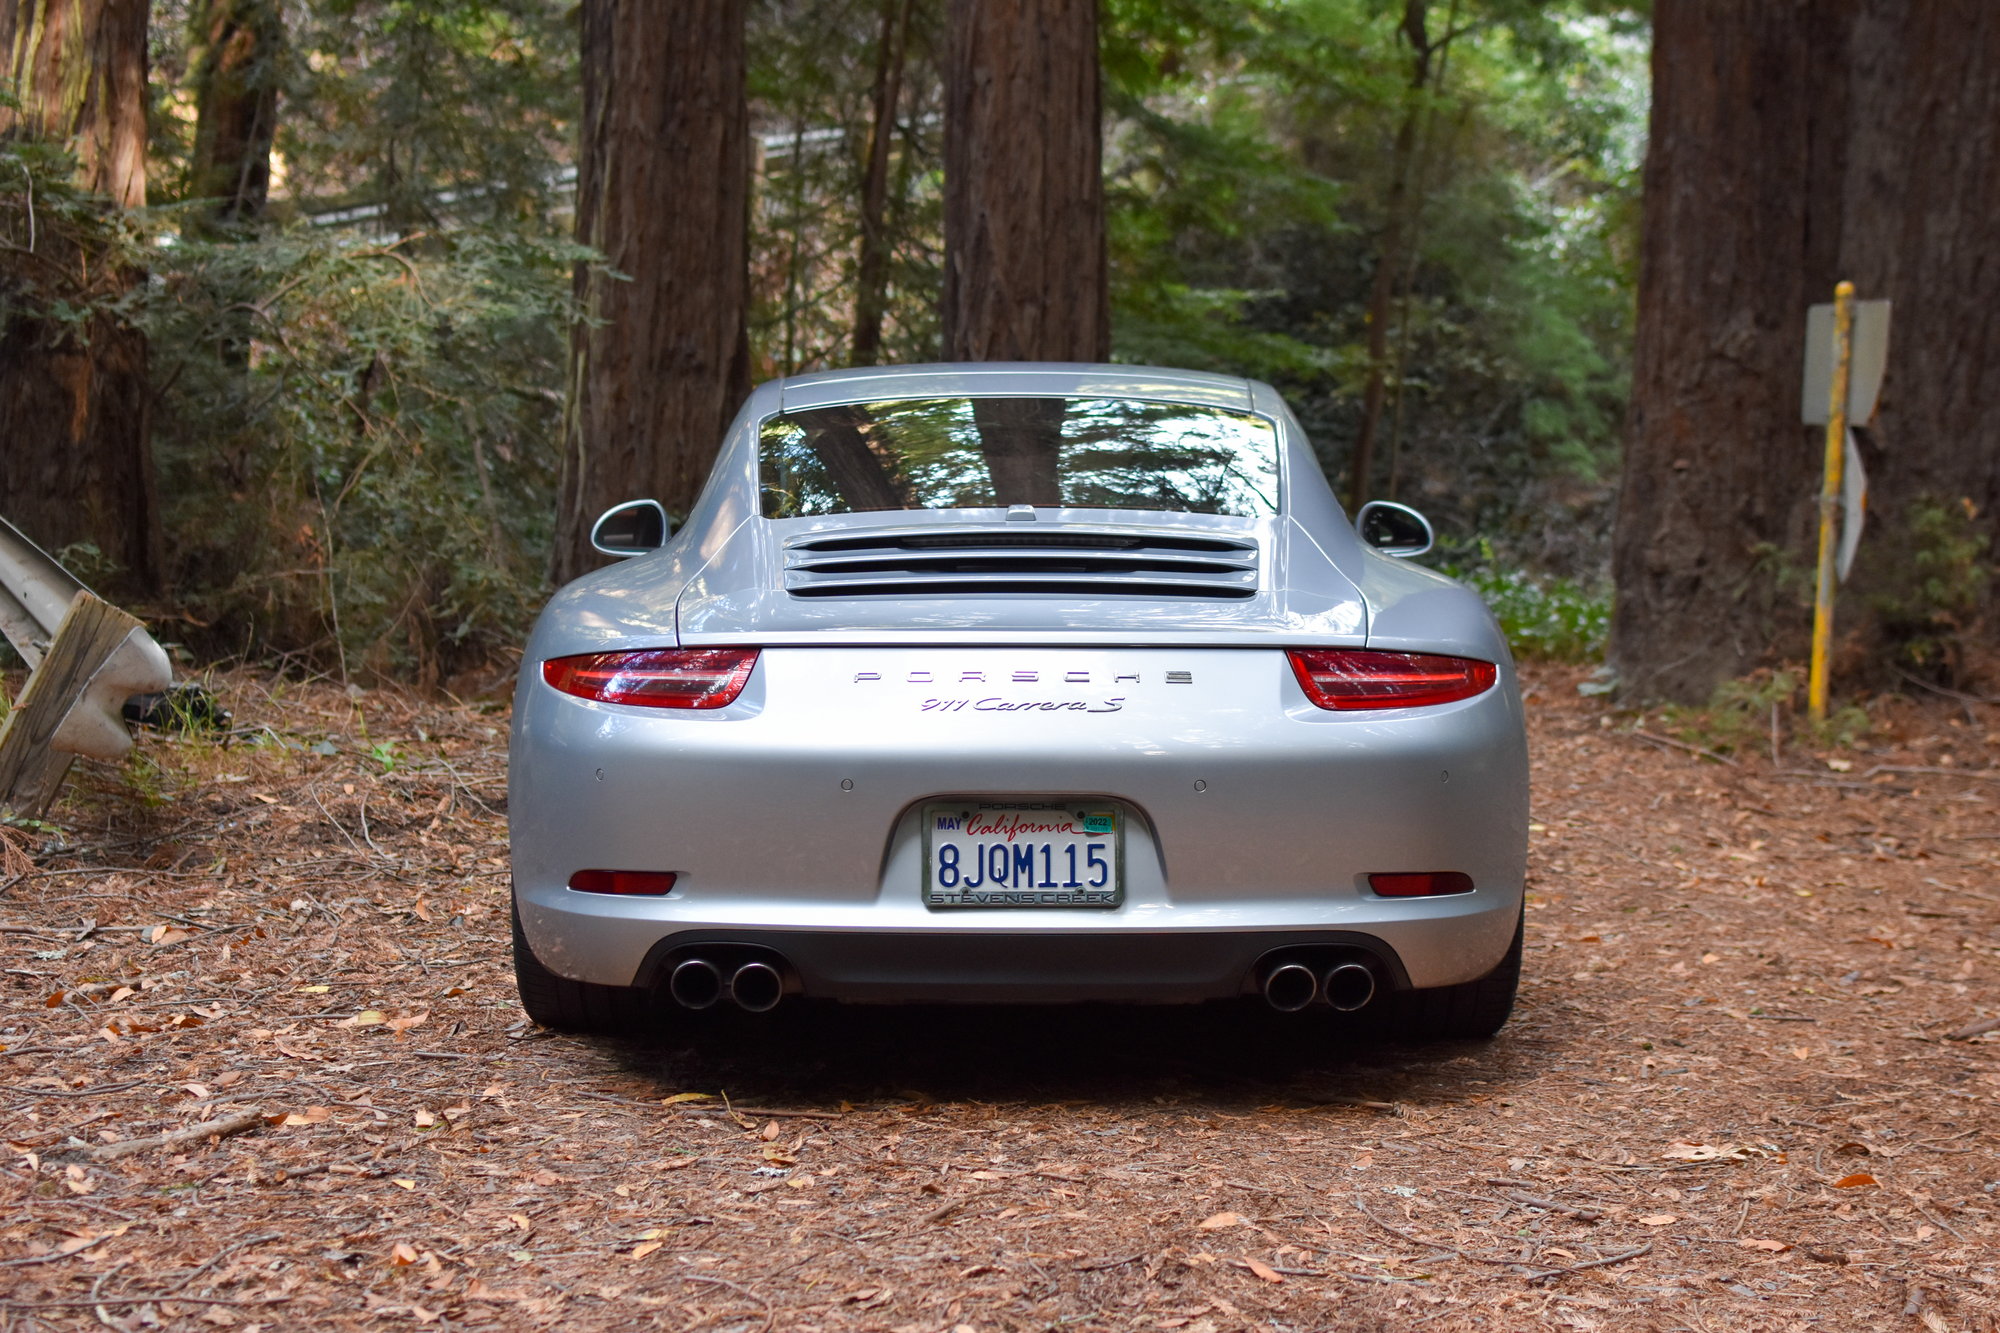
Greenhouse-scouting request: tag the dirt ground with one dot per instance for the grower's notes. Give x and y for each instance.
(1742, 1091)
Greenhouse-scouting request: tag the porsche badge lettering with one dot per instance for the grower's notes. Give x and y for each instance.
(995, 704)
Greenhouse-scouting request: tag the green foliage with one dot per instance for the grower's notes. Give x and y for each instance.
(356, 441)
(1934, 590)
(1252, 184)
(1741, 715)
(1545, 617)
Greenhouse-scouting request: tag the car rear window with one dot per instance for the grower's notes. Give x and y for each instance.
(973, 453)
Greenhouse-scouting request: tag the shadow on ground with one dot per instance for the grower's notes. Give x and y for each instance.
(1225, 1055)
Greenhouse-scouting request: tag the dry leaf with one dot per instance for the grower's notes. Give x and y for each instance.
(1935, 1322)
(680, 1097)
(1855, 1181)
(400, 1025)
(641, 1251)
(402, 1254)
(1774, 1246)
(1263, 1271)
(520, 1220)
(424, 1119)
(1682, 1151)
(312, 1115)
(403, 1183)
(311, 990)
(676, 1164)
(770, 1132)
(1219, 1221)
(1658, 1220)
(367, 1018)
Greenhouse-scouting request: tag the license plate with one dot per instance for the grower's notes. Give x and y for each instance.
(985, 855)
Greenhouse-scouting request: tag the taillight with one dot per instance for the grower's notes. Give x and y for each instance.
(1350, 678)
(1429, 884)
(655, 677)
(628, 883)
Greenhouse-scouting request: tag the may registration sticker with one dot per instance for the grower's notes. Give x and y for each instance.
(986, 855)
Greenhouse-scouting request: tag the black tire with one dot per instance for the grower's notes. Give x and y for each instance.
(1471, 1010)
(576, 1006)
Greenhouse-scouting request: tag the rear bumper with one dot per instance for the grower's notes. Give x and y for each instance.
(1252, 821)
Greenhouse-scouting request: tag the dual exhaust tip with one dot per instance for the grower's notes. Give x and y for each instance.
(1290, 987)
(755, 987)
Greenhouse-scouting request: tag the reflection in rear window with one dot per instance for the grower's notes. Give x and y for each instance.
(971, 453)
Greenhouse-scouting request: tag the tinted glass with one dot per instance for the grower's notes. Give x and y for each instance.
(969, 453)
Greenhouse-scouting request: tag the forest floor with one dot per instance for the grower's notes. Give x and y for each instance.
(1740, 1092)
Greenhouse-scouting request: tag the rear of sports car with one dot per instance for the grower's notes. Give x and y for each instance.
(1128, 739)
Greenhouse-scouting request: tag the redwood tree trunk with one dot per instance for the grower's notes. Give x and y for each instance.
(1025, 270)
(1792, 146)
(237, 48)
(75, 456)
(663, 187)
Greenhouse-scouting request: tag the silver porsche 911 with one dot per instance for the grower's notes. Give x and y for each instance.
(1018, 683)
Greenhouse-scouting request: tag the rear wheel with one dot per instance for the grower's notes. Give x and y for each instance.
(1473, 1009)
(576, 1006)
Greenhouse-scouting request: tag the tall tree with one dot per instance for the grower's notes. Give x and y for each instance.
(1793, 146)
(236, 46)
(871, 279)
(1025, 271)
(76, 466)
(663, 178)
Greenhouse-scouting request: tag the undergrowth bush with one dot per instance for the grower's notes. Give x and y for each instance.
(357, 442)
(1545, 618)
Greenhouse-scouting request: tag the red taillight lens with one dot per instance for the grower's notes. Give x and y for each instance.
(655, 677)
(630, 883)
(1346, 678)
(1430, 884)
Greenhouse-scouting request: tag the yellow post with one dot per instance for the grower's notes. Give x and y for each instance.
(1829, 498)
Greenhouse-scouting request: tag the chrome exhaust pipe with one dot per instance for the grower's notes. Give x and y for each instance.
(1290, 987)
(757, 987)
(695, 984)
(1348, 987)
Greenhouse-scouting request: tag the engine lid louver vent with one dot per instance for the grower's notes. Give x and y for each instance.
(1049, 564)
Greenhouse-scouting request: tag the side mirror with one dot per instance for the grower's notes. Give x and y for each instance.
(1394, 529)
(633, 528)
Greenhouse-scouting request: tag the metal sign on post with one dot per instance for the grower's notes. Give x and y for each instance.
(1868, 361)
(1847, 351)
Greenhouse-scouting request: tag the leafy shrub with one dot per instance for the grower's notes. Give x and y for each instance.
(1552, 619)
(1934, 591)
(358, 441)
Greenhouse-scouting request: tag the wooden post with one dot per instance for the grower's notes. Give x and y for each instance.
(31, 771)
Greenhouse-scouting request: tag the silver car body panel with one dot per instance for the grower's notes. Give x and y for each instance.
(791, 814)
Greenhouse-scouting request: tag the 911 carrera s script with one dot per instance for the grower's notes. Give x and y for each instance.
(998, 705)
(1021, 856)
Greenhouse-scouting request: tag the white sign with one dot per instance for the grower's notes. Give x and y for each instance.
(1864, 373)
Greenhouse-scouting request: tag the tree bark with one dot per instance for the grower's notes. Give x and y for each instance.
(76, 465)
(1025, 269)
(872, 268)
(237, 48)
(1389, 253)
(1793, 145)
(663, 191)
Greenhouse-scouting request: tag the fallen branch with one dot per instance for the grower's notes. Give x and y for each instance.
(1973, 1029)
(1683, 745)
(240, 1123)
(1605, 1262)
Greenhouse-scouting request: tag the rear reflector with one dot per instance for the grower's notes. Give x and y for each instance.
(1352, 678)
(655, 677)
(1431, 884)
(629, 883)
